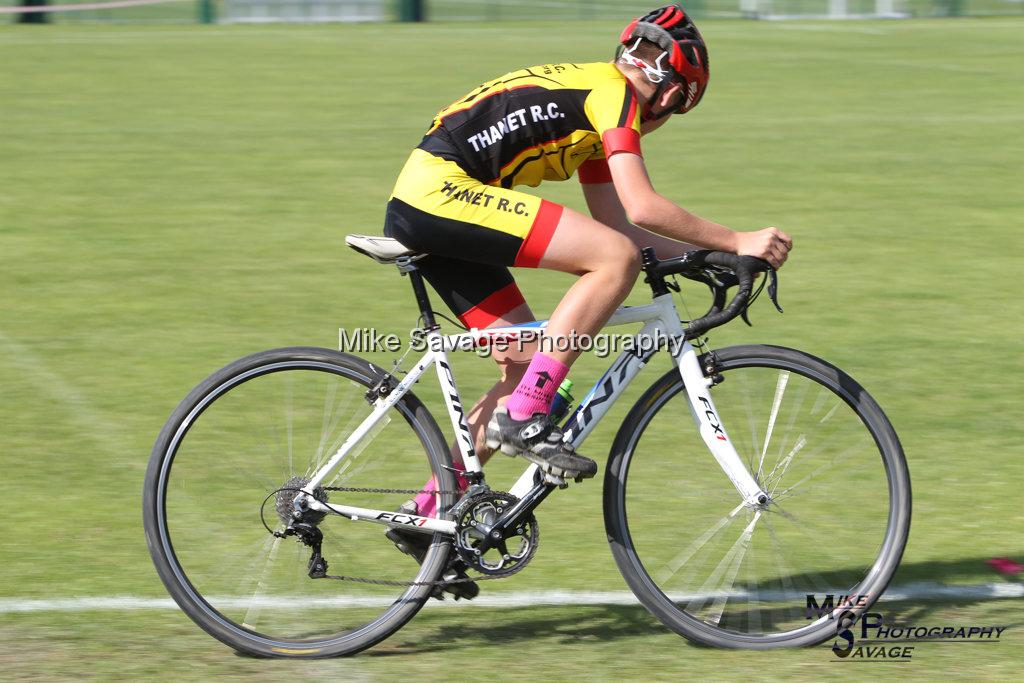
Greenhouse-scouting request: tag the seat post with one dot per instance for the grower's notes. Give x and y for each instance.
(408, 267)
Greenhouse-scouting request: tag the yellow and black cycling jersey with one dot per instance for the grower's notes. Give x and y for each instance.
(454, 199)
(539, 123)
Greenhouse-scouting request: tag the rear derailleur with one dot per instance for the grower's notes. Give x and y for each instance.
(301, 522)
(311, 536)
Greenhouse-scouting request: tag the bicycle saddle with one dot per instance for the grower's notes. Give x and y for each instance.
(381, 249)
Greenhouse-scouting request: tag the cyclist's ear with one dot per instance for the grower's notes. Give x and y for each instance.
(671, 97)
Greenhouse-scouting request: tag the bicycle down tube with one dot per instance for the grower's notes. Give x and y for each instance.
(661, 324)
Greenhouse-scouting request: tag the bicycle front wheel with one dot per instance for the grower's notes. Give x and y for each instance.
(269, 422)
(727, 575)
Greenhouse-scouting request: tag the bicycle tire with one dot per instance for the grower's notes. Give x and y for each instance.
(701, 618)
(321, 366)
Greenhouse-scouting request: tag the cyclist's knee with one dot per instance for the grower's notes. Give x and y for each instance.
(582, 245)
(632, 261)
(622, 258)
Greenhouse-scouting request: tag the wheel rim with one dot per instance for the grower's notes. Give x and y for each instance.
(728, 572)
(247, 437)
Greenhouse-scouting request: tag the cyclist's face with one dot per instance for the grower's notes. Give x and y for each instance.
(651, 126)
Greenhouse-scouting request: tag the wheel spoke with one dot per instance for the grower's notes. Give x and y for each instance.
(252, 613)
(753, 600)
(289, 423)
(841, 457)
(717, 588)
(680, 560)
(328, 421)
(752, 421)
(780, 391)
(771, 480)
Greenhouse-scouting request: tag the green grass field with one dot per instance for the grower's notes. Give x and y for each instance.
(173, 198)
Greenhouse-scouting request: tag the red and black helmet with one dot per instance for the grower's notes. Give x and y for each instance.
(671, 29)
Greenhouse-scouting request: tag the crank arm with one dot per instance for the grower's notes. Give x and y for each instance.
(515, 515)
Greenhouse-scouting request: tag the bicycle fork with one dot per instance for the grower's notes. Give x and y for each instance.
(705, 415)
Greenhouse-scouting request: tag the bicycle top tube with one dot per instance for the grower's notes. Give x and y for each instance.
(718, 270)
(475, 338)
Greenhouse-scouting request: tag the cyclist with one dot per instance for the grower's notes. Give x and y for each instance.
(455, 200)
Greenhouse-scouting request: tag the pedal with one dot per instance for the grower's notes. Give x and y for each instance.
(506, 449)
(554, 480)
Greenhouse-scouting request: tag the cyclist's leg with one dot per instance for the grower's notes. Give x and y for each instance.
(607, 263)
(512, 364)
(484, 296)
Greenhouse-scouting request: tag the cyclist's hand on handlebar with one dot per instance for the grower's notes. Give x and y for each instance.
(770, 244)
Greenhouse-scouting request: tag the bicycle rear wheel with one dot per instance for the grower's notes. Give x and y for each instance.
(728, 576)
(251, 429)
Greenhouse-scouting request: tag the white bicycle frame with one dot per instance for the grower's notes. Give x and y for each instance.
(661, 322)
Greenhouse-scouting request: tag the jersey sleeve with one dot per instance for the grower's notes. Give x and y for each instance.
(613, 110)
(595, 171)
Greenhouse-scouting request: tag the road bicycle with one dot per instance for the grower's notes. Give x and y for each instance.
(271, 477)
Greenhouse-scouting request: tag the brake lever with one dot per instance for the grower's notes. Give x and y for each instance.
(773, 289)
(773, 294)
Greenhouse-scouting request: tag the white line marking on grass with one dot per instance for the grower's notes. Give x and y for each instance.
(912, 591)
(93, 425)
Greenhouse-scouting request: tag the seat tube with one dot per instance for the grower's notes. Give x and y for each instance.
(453, 401)
(408, 267)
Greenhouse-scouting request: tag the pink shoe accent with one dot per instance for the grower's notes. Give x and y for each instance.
(1005, 565)
(537, 388)
(426, 502)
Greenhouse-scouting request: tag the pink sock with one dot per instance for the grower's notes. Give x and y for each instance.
(537, 388)
(426, 502)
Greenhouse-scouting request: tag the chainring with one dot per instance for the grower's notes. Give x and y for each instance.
(284, 502)
(474, 517)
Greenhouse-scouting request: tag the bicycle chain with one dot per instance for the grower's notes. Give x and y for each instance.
(358, 489)
(406, 584)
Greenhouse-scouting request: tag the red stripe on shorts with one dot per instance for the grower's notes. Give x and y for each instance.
(537, 240)
(494, 307)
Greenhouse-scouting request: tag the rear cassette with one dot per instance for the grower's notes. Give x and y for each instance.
(284, 502)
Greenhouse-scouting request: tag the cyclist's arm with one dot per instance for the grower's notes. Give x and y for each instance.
(648, 209)
(606, 208)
